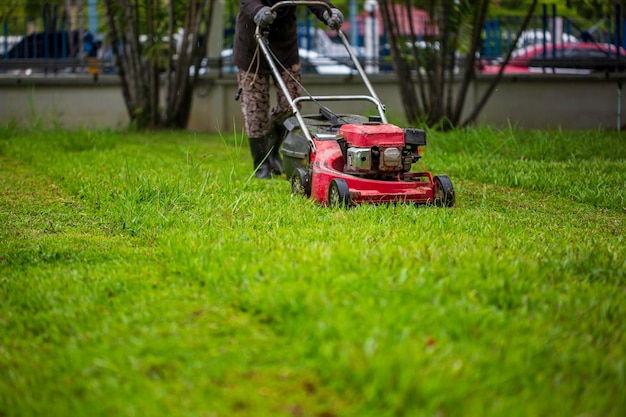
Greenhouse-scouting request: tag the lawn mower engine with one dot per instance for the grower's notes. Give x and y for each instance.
(379, 151)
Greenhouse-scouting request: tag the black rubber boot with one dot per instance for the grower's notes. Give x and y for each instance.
(275, 138)
(258, 150)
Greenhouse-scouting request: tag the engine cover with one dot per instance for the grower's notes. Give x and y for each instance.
(368, 135)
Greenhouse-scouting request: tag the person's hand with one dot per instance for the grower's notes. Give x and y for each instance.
(334, 20)
(264, 17)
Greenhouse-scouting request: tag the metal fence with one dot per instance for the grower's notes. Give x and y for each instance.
(548, 27)
(42, 37)
(49, 42)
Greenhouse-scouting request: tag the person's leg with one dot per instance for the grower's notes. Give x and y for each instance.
(255, 105)
(292, 78)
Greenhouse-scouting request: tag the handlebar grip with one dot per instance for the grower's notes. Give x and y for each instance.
(301, 3)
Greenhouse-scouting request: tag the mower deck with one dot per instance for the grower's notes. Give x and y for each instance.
(321, 175)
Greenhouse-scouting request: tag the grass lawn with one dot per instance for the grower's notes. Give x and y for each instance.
(150, 275)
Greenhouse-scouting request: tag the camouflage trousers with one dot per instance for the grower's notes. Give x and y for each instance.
(255, 99)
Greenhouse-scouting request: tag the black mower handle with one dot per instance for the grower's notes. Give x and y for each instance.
(301, 3)
(297, 3)
(264, 45)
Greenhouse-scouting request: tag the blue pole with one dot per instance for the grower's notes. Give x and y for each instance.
(309, 42)
(64, 40)
(618, 27)
(554, 31)
(488, 39)
(55, 38)
(609, 29)
(496, 37)
(46, 46)
(5, 32)
(354, 34)
(544, 28)
(26, 44)
(617, 46)
(92, 16)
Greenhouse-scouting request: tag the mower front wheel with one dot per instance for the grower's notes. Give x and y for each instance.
(300, 184)
(444, 191)
(339, 194)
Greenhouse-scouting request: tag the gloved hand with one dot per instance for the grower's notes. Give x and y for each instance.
(334, 20)
(264, 17)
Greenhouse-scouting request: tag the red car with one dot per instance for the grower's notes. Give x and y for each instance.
(563, 58)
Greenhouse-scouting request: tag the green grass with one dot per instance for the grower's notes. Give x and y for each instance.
(149, 274)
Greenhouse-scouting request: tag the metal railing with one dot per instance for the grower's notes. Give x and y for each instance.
(58, 51)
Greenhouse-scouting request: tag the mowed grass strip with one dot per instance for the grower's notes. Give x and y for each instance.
(92, 325)
(157, 277)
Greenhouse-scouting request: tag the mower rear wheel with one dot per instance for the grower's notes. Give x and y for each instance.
(444, 191)
(300, 184)
(338, 194)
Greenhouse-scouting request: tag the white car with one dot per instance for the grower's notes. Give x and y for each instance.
(534, 37)
(311, 61)
(322, 64)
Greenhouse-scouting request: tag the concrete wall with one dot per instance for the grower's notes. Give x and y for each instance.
(68, 102)
(586, 102)
(527, 102)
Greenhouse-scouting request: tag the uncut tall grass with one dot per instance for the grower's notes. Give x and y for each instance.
(151, 274)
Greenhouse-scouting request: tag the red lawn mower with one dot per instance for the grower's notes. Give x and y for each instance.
(346, 159)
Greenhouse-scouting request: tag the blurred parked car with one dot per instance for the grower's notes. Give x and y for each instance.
(533, 37)
(563, 58)
(7, 42)
(311, 61)
(54, 45)
(318, 40)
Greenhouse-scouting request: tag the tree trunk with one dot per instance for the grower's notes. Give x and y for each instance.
(115, 40)
(153, 81)
(139, 64)
(434, 66)
(403, 69)
(195, 38)
(470, 58)
(476, 111)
